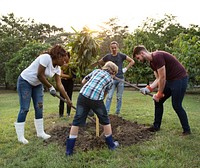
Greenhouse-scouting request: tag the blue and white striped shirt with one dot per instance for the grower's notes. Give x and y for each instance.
(98, 82)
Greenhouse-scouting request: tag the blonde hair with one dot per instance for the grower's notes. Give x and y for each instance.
(111, 67)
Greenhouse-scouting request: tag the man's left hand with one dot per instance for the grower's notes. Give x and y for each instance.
(158, 96)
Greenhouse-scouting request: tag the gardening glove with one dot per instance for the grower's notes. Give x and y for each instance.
(124, 70)
(158, 96)
(146, 90)
(52, 91)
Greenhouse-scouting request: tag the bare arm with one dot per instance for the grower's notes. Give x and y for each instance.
(161, 79)
(41, 76)
(84, 81)
(154, 84)
(131, 62)
(62, 89)
(101, 62)
(63, 75)
(160, 82)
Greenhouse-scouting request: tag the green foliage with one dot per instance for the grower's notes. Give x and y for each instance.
(88, 46)
(112, 31)
(161, 33)
(16, 33)
(140, 73)
(167, 35)
(22, 59)
(84, 48)
(187, 50)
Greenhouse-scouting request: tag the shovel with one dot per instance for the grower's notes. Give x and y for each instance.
(121, 80)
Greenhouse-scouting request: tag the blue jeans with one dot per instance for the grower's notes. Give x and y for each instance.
(84, 105)
(26, 91)
(120, 89)
(176, 90)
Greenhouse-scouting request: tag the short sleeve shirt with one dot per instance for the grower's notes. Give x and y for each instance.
(118, 60)
(98, 82)
(174, 69)
(30, 73)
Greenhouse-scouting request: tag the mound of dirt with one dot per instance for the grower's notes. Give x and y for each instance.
(125, 132)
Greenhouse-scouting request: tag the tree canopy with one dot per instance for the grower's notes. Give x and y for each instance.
(22, 40)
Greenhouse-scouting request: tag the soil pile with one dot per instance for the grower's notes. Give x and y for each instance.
(125, 132)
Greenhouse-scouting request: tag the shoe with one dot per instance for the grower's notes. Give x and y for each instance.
(185, 133)
(153, 129)
(112, 145)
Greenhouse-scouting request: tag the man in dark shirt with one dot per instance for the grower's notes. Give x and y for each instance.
(171, 80)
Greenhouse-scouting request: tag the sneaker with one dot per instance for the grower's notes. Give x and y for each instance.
(186, 133)
(153, 129)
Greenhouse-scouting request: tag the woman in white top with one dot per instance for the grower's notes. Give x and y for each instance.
(30, 85)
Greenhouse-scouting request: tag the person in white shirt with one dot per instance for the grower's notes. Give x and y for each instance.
(30, 86)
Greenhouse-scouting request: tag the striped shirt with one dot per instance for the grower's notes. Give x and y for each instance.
(98, 82)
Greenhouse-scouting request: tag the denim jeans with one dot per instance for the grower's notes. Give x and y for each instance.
(26, 92)
(120, 89)
(84, 105)
(176, 90)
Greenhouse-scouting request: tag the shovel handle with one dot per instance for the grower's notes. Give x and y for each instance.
(61, 98)
(121, 80)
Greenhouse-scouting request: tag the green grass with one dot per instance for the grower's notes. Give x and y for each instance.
(166, 150)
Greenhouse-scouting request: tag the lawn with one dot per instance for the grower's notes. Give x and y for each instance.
(166, 149)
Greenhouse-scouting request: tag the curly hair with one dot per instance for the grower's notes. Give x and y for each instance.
(57, 51)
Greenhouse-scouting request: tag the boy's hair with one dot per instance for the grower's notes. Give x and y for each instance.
(111, 67)
(138, 49)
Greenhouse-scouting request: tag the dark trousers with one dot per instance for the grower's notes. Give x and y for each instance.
(84, 105)
(176, 90)
(68, 85)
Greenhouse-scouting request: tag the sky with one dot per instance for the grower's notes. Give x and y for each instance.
(92, 13)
